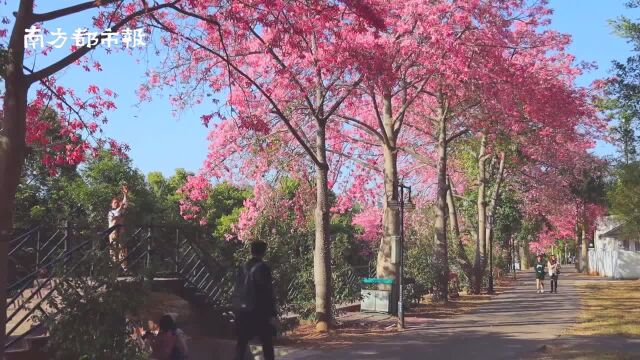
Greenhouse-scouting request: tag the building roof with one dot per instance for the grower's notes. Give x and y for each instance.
(615, 232)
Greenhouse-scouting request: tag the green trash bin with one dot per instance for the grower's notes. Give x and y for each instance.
(374, 300)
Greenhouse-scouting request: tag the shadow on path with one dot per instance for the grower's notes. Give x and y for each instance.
(513, 325)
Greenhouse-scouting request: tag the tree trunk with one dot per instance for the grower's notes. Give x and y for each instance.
(322, 253)
(391, 217)
(584, 251)
(494, 197)
(441, 261)
(12, 141)
(493, 205)
(454, 226)
(524, 255)
(481, 244)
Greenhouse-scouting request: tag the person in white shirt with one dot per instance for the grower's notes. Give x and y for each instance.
(554, 270)
(117, 246)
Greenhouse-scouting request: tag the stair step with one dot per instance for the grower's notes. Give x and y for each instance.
(30, 348)
(19, 354)
(38, 342)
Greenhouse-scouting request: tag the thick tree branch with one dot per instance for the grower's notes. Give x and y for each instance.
(76, 55)
(362, 126)
(52, 15)
(356, 160)
(339, 102)
(385, 136)
(416, 155)
(275, 108)
(457, 135)
(400, 116)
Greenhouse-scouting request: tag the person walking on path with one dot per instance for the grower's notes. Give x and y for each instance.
(254, 303)
(539, 268)
(117, 247)
(554, 270)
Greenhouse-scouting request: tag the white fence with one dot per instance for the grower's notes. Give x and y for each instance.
(617, 264)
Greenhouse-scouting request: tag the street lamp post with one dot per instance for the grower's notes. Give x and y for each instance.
(490, 291)
(402, 206)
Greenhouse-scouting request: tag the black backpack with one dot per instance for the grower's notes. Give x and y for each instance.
(244, 291)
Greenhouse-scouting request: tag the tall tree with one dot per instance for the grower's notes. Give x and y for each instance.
(286, 75)
(18, 110)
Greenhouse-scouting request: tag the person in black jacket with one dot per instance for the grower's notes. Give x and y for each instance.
(540, 272)
(259, 321)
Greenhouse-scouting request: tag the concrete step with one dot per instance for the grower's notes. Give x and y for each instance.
(33, 348)
(24, 309)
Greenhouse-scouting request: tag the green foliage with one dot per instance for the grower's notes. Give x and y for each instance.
(290, 255)
(91, 322)
(622, 102)
(83, 195)
(624, 196)
(223, 207)
(419, 269)
(42, 198)
(102, 179)
(165, 196)
(418, 259)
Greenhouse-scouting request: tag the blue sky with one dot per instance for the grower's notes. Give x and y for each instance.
(163, 142)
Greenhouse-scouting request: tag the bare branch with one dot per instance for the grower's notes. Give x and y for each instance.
(457, 135)
(339, 102)
(71, 10)
(416, 155)
(276, 109)
(356, 160)
(400, 116)
(362, 126)
(76, 55)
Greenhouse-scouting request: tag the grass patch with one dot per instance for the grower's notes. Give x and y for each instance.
(609, 308)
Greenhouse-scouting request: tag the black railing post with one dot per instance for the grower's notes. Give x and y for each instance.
(177, 248)
(65, 243)
(147, 263)
(38, 250)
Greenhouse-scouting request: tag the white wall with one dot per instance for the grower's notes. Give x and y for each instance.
(603, 225)
(617, 264)
(628, 264)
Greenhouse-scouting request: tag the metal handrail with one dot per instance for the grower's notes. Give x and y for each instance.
(38, 306)
(26, 233)
(192, 273)
(19, 246)
(54, 248)
(189, 264)
(46, 242)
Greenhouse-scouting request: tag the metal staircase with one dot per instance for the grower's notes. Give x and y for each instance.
(213, 286)
(45, 261)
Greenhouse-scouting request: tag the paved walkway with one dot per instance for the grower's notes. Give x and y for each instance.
(511, 326)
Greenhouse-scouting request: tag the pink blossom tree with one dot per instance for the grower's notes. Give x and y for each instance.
(20, 122)
(286, 74)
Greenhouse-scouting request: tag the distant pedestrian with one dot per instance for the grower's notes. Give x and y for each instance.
(539, 269)
(554, 270)
(254, 303)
